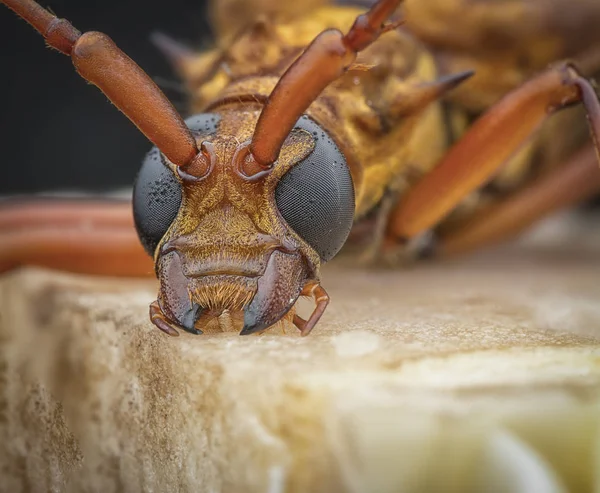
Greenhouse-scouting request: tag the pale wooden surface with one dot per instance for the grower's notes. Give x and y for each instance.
(475, 375)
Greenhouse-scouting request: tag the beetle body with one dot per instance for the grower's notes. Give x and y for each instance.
(390, 135)
(303, 127)
(380, 142)
(217, 230)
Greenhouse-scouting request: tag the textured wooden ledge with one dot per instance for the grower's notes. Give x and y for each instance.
(482, 375)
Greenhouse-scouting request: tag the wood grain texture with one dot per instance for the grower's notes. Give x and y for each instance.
(453, 377)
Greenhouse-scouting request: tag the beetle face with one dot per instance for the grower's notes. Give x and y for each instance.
(225, 241)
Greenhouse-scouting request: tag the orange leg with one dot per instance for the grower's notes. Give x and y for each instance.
(578, 180)
(321, 299)
(488, 144)
(88, 237)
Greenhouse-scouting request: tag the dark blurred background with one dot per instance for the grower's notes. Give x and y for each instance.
(56, 131)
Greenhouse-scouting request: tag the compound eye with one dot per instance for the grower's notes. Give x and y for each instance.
(156, 200)
(157, 193)
(316, 196)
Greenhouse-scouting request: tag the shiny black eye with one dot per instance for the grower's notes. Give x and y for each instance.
(157, 193)
(316, 196)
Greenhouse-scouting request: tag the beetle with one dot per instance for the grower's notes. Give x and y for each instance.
(302, 129)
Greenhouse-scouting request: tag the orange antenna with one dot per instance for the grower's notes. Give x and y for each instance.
(98, 60)
(326, 59)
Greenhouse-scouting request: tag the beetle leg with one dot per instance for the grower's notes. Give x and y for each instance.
(321, 299)
(83, 236)
(373, 250)
(574, 182)
(377, 235)
(474, 159)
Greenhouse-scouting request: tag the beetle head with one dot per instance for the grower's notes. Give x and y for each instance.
(226, 238)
